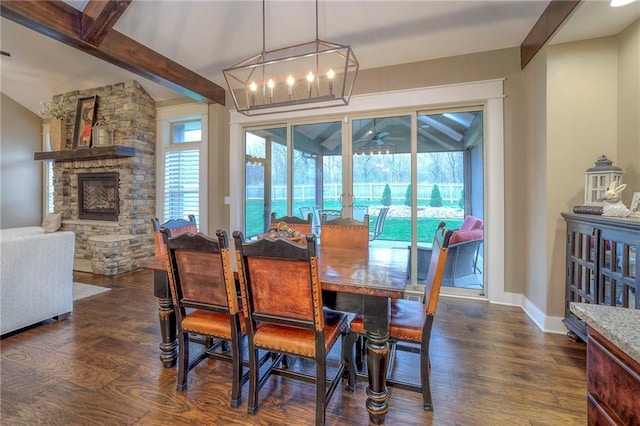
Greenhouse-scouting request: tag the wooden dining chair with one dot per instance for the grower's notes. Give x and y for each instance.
(345, 232)
(411, 322)
(285, 315)
(175, 226)
(294, 222)
(206, 303)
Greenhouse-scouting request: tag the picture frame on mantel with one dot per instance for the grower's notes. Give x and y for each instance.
(85, 119)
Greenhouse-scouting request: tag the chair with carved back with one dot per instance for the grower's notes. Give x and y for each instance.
(206, 303)
(345, 232)
(411, 322)
(285, 315)
(294, 222)
(175, 226)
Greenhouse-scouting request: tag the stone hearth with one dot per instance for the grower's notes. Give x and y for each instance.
(111, 247)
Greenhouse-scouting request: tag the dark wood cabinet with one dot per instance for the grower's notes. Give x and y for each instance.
(601, 254)
(613, 383)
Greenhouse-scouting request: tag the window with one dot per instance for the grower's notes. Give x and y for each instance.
(182, 165)
(47, 175)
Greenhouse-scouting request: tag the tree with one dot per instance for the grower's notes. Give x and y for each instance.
(386, 196)
(407, 196)
(436, 198)
(461, 200)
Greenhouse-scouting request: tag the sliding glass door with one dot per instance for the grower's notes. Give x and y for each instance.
(407, 172)
(266, 172)
(317, 169)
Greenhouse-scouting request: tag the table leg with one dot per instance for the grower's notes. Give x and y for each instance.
(168, 346)
(377, 393)
(167, 319)
(376, 325)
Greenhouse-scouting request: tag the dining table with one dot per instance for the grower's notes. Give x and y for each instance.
(354, 281)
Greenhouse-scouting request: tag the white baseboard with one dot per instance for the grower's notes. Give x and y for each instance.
(546, 323)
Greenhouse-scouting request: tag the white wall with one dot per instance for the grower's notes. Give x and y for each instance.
(533, 179)
(20, 174)
(629, 108)
(582, 124)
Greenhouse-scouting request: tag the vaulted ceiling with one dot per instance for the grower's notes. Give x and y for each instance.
(178, 48)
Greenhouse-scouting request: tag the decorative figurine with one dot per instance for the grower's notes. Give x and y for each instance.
(613, 205)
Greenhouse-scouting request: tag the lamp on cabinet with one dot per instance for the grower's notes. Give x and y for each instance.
(597, 180)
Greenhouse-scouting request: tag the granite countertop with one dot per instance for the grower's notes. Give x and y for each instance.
(621, 326)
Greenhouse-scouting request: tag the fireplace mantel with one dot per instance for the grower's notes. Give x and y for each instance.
(98, 152)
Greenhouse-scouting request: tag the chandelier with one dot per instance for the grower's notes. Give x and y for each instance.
(317, 74)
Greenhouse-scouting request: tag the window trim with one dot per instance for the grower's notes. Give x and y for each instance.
(165, 116)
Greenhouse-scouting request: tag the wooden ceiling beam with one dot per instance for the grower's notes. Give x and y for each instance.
(58, 20)
(99, 17)
(550, 20)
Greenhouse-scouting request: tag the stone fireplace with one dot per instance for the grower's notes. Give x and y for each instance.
(98, 196)
(107, 194)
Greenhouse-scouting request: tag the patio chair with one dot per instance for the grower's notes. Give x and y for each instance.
(379, 228)
(462, 260)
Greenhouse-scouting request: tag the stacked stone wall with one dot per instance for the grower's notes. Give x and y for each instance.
(131, 111)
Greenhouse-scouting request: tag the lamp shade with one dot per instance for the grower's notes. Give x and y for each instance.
(311, 75)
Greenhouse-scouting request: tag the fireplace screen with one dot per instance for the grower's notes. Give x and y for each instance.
(98, 196)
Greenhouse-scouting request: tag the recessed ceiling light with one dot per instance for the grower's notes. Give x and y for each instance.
(618, 3)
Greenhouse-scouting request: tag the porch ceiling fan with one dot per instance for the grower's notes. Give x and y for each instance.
(378, 139)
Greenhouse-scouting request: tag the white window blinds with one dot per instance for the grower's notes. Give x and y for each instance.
(181, 184)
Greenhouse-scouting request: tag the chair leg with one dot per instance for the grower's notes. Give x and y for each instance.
(425, 375)
(361, 351)
(321, 391)
(348, 343)
(236, 380)
(254, 371)
(183, 361)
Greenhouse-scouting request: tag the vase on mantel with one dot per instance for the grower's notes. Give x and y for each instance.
(56, 140)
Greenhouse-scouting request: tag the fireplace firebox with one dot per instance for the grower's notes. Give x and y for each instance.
(98, 197)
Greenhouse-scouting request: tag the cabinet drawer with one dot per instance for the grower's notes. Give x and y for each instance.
(613, 381)
(596, 415)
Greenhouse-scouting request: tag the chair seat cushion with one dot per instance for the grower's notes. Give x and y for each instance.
(407, 321)
(298, 341)
(470, 223)
(210, 324)
(462, 236)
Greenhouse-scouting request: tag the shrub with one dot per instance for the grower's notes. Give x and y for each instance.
(386, 196)
(407, 196)
(461, 200)
(436, 198)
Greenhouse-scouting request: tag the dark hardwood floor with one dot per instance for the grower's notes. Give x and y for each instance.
(491, 366)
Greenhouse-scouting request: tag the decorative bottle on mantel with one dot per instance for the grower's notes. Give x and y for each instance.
(57, 109)
(56, 139)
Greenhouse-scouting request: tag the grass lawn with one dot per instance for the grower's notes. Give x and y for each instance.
(399, 228)
(395, 228)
